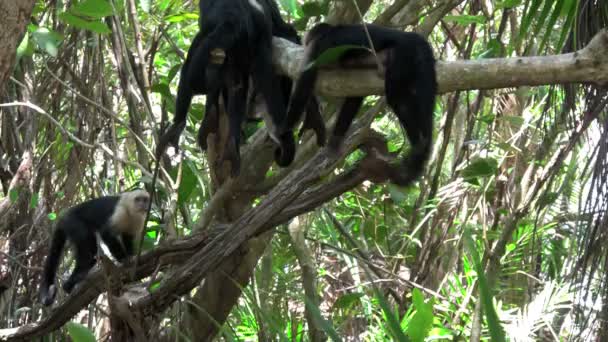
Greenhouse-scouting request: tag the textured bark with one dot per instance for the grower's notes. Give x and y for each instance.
(14, 17)
(588, 65)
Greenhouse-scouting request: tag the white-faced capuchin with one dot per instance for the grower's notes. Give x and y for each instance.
(118, 220)
(409, 81)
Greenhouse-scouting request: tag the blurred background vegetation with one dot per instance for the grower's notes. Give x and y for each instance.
(511, 213)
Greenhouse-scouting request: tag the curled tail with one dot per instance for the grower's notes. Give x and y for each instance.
(411, 88)
(48, 290)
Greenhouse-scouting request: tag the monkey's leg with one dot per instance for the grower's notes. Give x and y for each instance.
(349, 109)
(86, 249)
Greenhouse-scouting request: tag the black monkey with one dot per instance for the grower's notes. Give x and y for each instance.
(117, 219)
(235, 42)
(409, 80)
(312, 119)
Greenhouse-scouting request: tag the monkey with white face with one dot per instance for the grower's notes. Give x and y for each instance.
(118, 220)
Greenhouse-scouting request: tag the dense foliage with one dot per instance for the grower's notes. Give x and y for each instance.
(504, 237)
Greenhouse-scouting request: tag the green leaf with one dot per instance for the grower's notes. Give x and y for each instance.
(480, 167)
(80, 333)
(421, 323)
(466, 20)
(47, 40)
(394, 327)
(34, 200)
(313, 9)
(508, 4)
(145, 5)
(181, 17)
(514, 120)
(333, 55)
(188, 183)
(52, 216)
(161, 88)
(398, 195)
(496, 331)
(348, 300)
(547, 199)
(291, 6)
(26, 47)
(13, 195)
(96, 9)
(94, 26)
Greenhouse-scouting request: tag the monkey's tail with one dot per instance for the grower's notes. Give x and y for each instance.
(48, 288)
(416, 75)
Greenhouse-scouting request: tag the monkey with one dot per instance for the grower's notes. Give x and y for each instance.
(117, 219)
(312, 119)
(234, 44)
(409, 80)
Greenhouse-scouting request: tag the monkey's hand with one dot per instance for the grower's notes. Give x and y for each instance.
(286, 152)
(171, 137)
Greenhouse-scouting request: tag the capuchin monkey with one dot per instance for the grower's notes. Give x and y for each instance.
(409, 81)
(118, 220)
(234, 44)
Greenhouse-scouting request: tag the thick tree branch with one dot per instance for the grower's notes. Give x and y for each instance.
(588, 65)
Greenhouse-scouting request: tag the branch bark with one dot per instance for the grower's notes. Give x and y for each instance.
(588, 65)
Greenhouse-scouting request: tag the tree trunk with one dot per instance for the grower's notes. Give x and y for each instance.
(15, 16)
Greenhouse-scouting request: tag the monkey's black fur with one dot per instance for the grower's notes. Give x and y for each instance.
(409, 80)
(117, 219)
(240, 32)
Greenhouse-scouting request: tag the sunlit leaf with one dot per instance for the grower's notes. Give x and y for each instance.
(94, 26)
(466, 20)
(80, 333)
(422, 321)
(480, 167)
(48, 40)
(95, 9)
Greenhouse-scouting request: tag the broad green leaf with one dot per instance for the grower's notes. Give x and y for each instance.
(313, 9)
(422, 321)
(466, 20)
(80, 333)
(52, 216)
(162, 89)
(333, 55)
(187, 185)
(94, 26)
(348, 300)
(514, 120)
(34, 200)
(47, 40)
(480, 167)
(26, 47)
(95, 9)
(13, 195)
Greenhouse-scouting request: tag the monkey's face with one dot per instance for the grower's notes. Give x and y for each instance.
(141, 199)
